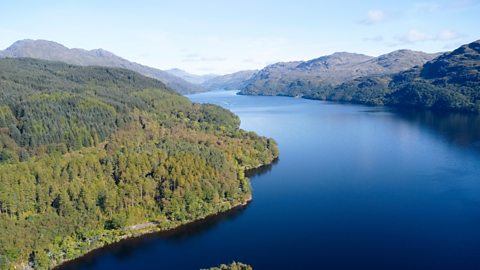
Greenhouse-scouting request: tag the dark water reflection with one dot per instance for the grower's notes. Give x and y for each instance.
(257, 172)
(129, 247)
(355, 188)
(459, 129)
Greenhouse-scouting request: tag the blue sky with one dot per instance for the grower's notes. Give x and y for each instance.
(215, 36)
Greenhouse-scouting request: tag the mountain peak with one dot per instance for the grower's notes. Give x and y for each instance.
(347, 54)
(32, 48)
(35, 42)
(103, 53)
(473, 47)
(403, 59)
(334, 60)
(459, 66)
(343, 55)
(175, 70)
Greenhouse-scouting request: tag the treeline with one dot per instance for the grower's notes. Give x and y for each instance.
(86, 152)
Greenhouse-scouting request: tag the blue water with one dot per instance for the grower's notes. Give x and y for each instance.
(355, 188)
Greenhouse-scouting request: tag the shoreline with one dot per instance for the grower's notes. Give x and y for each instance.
(154, 229)
(366, 104)
(151, 228)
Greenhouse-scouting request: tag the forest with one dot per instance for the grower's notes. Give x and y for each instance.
(88, 152)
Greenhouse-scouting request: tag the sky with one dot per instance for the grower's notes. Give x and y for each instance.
(224, 36)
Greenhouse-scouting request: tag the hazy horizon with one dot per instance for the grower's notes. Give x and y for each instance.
(218, 37)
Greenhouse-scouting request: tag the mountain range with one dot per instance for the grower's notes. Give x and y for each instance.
(299, 77)
(443, 81)
(447, 81)
(52, 51)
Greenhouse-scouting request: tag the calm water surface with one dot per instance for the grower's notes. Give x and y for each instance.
(355, 188)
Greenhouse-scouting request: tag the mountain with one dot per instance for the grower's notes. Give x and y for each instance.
(52, 51)
(192, 78)
(234, 81)
(449, 82)
(302, 77)
(87, 152)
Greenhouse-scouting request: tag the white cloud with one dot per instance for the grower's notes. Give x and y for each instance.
(201, 54)
(415, 36)
(374, 16)
(210, 53)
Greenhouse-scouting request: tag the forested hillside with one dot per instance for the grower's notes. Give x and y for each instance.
(52, 51)
(449, 82)
(87, 152)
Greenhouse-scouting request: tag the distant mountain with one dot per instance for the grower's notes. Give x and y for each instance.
(300, 78)
(450, 82)
(234, 81)
(192, 78)
(49, 50)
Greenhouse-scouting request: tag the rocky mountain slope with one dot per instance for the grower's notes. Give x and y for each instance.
(450, 82)
(301, 77)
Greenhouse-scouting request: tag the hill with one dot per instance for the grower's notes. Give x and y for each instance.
(303, 78)
(88, 152)
(49, 50)
(450, 82)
